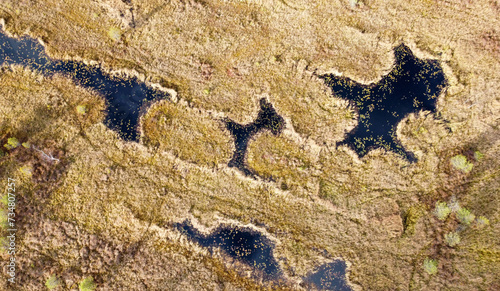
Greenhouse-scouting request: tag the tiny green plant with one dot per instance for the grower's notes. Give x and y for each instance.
(430, 266)
(465, 216)
(12, 143)
(460, 162)
(442, 210)
(52, 282)
(478, 155)
(81, 109)
(26, 170)
(87, 284)
(482, 221)
(452, 239)
(26, 145)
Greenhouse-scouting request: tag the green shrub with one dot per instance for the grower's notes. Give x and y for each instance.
(482, 221)
(452, 239)
(52, 282)
(12, 143)
(460, 162)
(87, 284)
(430, 266)
(465, 216)
(442, 211)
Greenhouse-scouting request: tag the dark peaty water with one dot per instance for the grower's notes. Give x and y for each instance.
(413, 85)
(267, 118)
(125, 96)
(330, 276)
(244, 244)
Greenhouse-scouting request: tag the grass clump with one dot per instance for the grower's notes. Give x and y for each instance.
(12, 143)
(52, 282)
(87, 284)
(278, 157)
(460, 162)
(430, 266)
(465, 216)
(452, 239)
(442, 210)
(188, 134)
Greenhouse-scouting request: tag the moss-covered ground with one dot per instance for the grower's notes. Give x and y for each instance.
(103, 207)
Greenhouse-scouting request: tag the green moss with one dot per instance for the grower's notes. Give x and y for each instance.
(460, 162)
(465, 216)
(482, 221)
(52, 282)
(329, 191)
(187, 134)
(478, 155)
(442, 211)
(87, 284)
(452, 239)
(411, 218)
(12, 143)
(279, 158)
(430, 266)
(26, 170)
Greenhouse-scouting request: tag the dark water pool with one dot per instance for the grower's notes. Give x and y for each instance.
(125, 96)
(413, 85)
(243, 244)
(267, 118)
(330, 276)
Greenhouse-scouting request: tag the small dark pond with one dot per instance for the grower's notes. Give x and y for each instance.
(125, 96)
(243, 244)
(413, 85)
(330, 276)
(267, 118)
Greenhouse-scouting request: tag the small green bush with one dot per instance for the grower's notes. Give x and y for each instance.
(465, 216)
(87, 284)
(430, 266)
(442, 211)
(460, 162)
(52, 282)
(452, 239)
(12, 143)
(482, 221)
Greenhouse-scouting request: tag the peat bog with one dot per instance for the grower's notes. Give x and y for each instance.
(267, 118)
(125, 96)
(412, 86)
